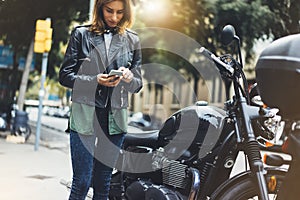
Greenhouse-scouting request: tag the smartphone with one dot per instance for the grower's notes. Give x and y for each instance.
(115, 72)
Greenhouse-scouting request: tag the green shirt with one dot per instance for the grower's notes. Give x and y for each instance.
(82, 119)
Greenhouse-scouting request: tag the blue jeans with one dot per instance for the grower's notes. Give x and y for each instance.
(93, 164)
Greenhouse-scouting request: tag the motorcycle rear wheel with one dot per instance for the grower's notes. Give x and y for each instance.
(244, 187)
(24, 131)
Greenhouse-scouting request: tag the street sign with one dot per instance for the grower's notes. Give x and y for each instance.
(6, 57)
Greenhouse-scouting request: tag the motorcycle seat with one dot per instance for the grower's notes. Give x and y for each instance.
(141, 138)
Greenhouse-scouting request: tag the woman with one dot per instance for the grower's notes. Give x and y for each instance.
(98, 118)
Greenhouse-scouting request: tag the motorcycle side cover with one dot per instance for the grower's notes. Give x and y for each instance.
(278, 76)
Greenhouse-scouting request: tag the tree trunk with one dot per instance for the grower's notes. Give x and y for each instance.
(24, 81)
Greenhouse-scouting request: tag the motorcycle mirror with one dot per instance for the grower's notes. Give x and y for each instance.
(228, 35)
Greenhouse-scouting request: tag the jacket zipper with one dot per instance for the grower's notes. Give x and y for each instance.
(99, 92)
(122, 96)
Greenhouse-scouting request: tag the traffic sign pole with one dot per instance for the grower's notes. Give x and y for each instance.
(41, 97)
(42, 44)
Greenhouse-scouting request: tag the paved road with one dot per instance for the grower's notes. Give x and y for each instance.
(52, 133)
(33, 175)
(48, 121)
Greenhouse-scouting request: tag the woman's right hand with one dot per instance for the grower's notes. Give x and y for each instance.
(108, 81)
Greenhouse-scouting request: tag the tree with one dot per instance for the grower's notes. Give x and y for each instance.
(258, 19)
(203, 20)
(199, 19)
(17, 19)
(183, 16)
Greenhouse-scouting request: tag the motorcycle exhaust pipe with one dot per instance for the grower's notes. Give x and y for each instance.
(195, 186)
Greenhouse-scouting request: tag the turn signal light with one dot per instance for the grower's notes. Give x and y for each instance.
(275, 160)
(272, 183)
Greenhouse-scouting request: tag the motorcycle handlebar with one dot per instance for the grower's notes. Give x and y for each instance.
(212, 56)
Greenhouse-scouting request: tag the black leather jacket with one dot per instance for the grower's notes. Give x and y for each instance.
(85, 57)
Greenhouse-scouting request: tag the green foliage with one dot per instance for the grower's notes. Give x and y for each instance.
(204, 20)
(34, 86)
(201, 20)
(256, 19)
(18, 17)
(17, 22)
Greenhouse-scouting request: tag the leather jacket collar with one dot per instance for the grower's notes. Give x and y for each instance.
(99, 44)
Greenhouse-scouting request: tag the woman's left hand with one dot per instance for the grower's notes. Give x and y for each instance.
(127, 74)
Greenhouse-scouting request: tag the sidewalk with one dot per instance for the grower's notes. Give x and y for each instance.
(26, 174)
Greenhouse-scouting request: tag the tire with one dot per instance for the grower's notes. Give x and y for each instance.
(24, 131)
(244, 187)
(27, 133)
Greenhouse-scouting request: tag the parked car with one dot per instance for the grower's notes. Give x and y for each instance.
(144, 121)
(63, 112)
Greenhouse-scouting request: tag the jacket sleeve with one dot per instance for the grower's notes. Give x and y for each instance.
(74, 61)
(136, 84)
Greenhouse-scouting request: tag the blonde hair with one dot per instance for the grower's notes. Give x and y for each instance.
(98, 24)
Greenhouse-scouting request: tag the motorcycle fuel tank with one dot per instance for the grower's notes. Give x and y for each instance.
(192, 131)
(278, 76)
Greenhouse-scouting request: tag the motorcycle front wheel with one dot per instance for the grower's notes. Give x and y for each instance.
(244, 186)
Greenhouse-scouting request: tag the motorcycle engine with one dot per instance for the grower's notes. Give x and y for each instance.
(173, 172)
(174, 179)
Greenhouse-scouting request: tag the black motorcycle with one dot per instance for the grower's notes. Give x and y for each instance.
(19, 125)
(15, 121)
(193, 155)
